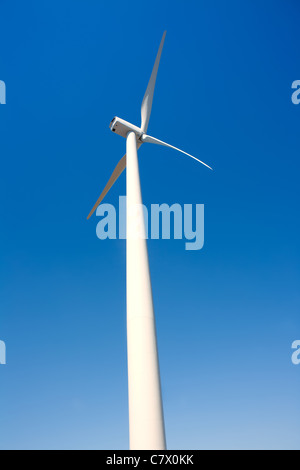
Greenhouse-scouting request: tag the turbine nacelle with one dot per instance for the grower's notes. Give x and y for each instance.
(122, 127)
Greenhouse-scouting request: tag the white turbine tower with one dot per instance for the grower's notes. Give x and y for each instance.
(146, 421)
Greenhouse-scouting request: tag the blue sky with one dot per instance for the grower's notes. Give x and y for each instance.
(226, 315)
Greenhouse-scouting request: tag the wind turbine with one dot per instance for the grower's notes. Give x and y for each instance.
(146, 421)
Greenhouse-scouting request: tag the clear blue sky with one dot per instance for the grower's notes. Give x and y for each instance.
(226, 315)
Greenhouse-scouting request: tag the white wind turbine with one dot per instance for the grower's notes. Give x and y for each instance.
(146, 421)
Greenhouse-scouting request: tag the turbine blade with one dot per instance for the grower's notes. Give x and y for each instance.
(116, 173)
(148, 98)
(152, 140)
